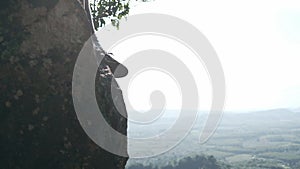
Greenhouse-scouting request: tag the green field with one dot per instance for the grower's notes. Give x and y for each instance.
(269, 139)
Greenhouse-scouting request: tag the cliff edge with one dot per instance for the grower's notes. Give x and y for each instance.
(40, 41)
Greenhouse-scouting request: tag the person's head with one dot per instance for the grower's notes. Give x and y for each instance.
(118, 69)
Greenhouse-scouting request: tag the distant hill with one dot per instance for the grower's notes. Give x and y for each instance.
(297, 110)
(267, 117)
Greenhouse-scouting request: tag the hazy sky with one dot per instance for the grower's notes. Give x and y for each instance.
(257, 41)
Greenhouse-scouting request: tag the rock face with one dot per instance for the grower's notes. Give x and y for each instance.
(40, 41)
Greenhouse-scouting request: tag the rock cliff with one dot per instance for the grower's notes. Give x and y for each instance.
(40, 41)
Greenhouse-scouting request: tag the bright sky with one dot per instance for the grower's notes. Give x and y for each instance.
(257, 41)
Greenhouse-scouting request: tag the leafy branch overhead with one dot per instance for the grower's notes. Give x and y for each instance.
(109, 10)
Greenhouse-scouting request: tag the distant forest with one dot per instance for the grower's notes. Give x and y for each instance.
(196, 162)
(208, 162)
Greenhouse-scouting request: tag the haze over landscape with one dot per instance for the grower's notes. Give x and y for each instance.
(258, 45)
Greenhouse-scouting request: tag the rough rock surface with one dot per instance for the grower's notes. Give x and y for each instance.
(40, 41)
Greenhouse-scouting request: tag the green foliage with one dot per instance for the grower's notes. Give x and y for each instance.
(113, 10)
(109, 10)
